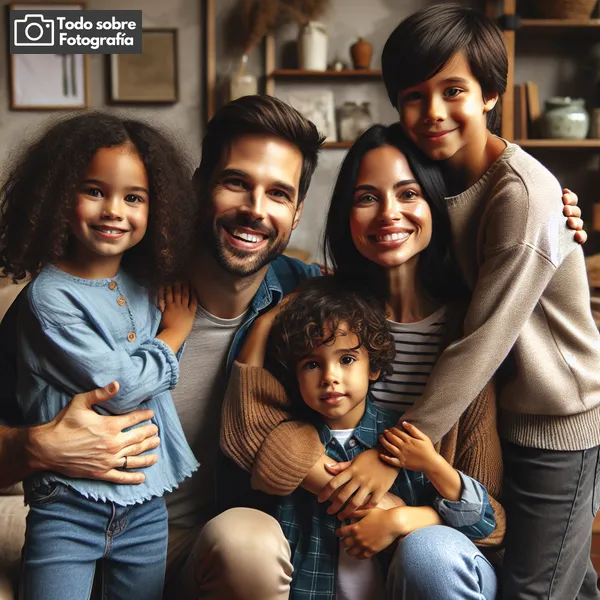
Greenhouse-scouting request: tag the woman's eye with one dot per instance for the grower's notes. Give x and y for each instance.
(366, 199)
(133, 198)
(452, 92)
(410, 195)
(347, 359)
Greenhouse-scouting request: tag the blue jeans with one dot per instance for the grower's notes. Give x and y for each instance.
(67, 534)
(440, 563)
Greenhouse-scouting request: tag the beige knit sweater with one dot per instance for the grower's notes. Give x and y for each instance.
(259, 436)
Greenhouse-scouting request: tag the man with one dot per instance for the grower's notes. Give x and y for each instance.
(258, 157)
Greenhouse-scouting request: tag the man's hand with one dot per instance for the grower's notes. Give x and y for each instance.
(366, 479)
(573, 212)
(410, 449)
(80, 443)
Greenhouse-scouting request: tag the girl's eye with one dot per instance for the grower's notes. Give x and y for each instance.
(94, 192)
(309, 366)
(133, 198)
(453, 92)
(347, 359)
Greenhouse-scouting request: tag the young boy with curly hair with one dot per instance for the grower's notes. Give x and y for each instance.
(328, 345)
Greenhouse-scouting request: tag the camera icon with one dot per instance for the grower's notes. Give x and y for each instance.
(34, 30)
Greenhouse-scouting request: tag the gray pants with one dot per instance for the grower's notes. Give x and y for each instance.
(551, 499)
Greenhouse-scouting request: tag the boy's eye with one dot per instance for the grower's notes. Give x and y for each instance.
(410, 97)
(452, 92)
(347, 359)
(133, 198)
(310, 365)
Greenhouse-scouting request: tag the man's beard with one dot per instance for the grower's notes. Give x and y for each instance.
(244, 263)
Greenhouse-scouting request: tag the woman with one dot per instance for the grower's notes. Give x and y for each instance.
(387, 233)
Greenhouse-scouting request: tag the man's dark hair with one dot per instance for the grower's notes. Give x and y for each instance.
(438, 274)
(423, 43)
(257, 115)
(314, 316)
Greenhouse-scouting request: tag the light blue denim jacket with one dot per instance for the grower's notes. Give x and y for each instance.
(75, 335)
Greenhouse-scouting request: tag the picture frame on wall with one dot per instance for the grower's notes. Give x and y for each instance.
(48, 81)
(147, 78)
(317, 106)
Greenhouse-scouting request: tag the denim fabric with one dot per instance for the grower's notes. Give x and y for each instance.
(440, 563)
(75, 335)
(67, 534)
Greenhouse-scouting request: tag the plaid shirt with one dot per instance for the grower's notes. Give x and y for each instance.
(310, 531)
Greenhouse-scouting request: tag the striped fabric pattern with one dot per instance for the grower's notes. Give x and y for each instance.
(417, 349)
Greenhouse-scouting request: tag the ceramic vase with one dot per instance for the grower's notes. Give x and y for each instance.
(361, 52)
(312, 47)
(565, 118)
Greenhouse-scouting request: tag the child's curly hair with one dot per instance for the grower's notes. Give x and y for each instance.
(314, 317)
(40, 190)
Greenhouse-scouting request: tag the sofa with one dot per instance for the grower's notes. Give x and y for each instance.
(12, 508)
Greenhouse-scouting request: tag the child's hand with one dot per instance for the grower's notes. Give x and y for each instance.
(410, 449)
(376, 530)
(179, 308)
(366, 480)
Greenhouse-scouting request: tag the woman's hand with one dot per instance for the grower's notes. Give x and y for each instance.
(366, 479)
(376, 530)
(80, 443)
(573, 214)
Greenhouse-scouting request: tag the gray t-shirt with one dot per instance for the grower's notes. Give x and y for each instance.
(198, 399)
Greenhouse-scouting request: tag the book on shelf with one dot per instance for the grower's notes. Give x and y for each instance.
(534, 111)
(520, 112)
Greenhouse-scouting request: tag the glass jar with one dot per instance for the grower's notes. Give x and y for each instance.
(565, 118)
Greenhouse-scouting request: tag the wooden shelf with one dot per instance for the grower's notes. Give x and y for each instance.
(337, 144)
(559, 23)
(347, 74)
(575, 144)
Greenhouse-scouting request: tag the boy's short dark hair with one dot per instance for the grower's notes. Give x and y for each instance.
(424, 43)
(320, 306)
(257, 115)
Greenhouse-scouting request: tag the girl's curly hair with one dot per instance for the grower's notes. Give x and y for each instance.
(39, 193)
(314, 316)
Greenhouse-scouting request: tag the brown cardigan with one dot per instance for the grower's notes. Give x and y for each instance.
(258, 434)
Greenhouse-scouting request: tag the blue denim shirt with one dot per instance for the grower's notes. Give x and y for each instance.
(78, 334)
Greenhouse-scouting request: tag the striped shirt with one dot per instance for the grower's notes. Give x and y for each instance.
(417, 350)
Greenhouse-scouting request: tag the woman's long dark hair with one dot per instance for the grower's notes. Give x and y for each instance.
(438, 274)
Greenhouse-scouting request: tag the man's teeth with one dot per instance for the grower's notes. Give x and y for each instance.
(247, 237)
(392, 237)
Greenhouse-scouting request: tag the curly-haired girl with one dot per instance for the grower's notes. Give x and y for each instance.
(328, 344)
(98, 210)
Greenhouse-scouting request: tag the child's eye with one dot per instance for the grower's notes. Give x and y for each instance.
(347, 359)
(410, 97)
(310, 365)
(133, 198)
(452, 92)
(94, 192)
